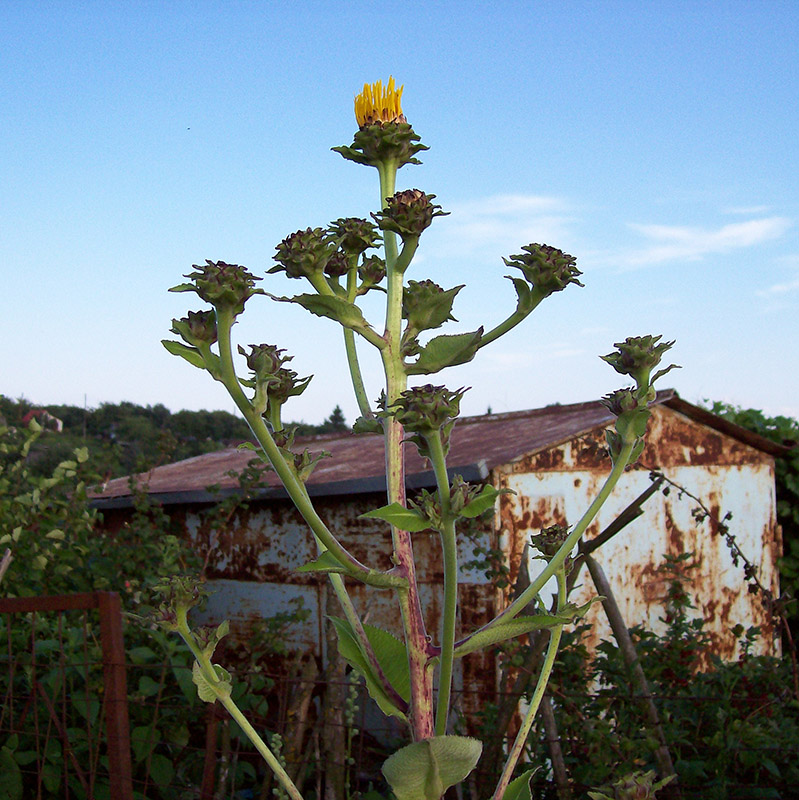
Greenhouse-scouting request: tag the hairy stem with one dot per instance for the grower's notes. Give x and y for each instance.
(449, 550)
(538, 694)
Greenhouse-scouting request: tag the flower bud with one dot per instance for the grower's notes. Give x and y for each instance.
(304, 253)
(425, 409)
(637, 356)
(224, 286)
(199, 327)
(265, 360)
(548, 269)
(372, 271)
(426, 305)
(408, 213)
(338, 264)
(550, 540)
(620, 401)
(355, 235)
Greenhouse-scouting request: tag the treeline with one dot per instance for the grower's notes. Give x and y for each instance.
(124, 438)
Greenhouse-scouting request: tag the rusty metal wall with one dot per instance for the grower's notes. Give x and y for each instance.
(555, 487)
(251, 570)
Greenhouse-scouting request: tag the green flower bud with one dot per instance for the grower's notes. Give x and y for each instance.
(265, 360)
(408, 213)
(337, 265)
(199, 327)
(426, 305)
(426, 409)
(550, 540)
(224, 286)
(304, 253)
(548, 269)
(390, 142)
(371, 272)
(355, 235)
(637, 356)
(181, 592)
(620, 401)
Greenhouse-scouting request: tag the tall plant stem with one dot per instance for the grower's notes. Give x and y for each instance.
(352, 352)
(421, 680)
(538, 694)
(449, 548)
(293, 485)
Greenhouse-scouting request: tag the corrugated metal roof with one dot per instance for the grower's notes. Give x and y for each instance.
(356, 465)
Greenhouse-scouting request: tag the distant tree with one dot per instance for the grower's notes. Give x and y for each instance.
(335, 423)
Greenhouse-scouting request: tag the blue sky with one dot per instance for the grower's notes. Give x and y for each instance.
(654, 141)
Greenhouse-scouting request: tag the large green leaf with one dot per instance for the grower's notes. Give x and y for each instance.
(391, 656)
(446, 351)
(519, 788)
(425, 770)
(405, 519)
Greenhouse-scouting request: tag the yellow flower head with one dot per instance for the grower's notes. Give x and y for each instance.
(375, 105)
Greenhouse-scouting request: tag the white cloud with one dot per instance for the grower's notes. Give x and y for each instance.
(672, 242)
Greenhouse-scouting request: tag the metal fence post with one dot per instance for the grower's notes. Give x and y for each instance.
(116, 695)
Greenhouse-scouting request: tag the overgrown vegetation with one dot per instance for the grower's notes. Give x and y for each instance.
(785, 431)
(125, 438)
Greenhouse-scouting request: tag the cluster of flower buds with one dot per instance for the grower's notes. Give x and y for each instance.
(273, 382)
(225, 286)
(546, 268)
(408, 213)
(304, 254)
(207, 637)
(198, 328)
(303, 463)
(636, 356)
(180, 594)
(426, 411)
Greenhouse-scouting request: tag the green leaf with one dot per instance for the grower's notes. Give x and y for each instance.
(518, 626)
(446, 351)
(391, 656)
(405, 519)
(519, 788)
(143, 739)
(482, 502)
(425, 770)
(524, 303)
(332, 307)
(147, 686)
(326, 562)
(184, 678)
(10, 776)
(161, 770)
(51, 777)
(191, 354)
(183, 287)
(207, 691)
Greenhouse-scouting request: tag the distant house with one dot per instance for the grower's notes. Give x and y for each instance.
(44, 418)
(554, 459)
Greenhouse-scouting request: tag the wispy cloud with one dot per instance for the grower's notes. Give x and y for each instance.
(672, 242)
(498, 225)
(747, 211)
(780, 289)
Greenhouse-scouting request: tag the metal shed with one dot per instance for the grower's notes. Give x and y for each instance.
(554, 459)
